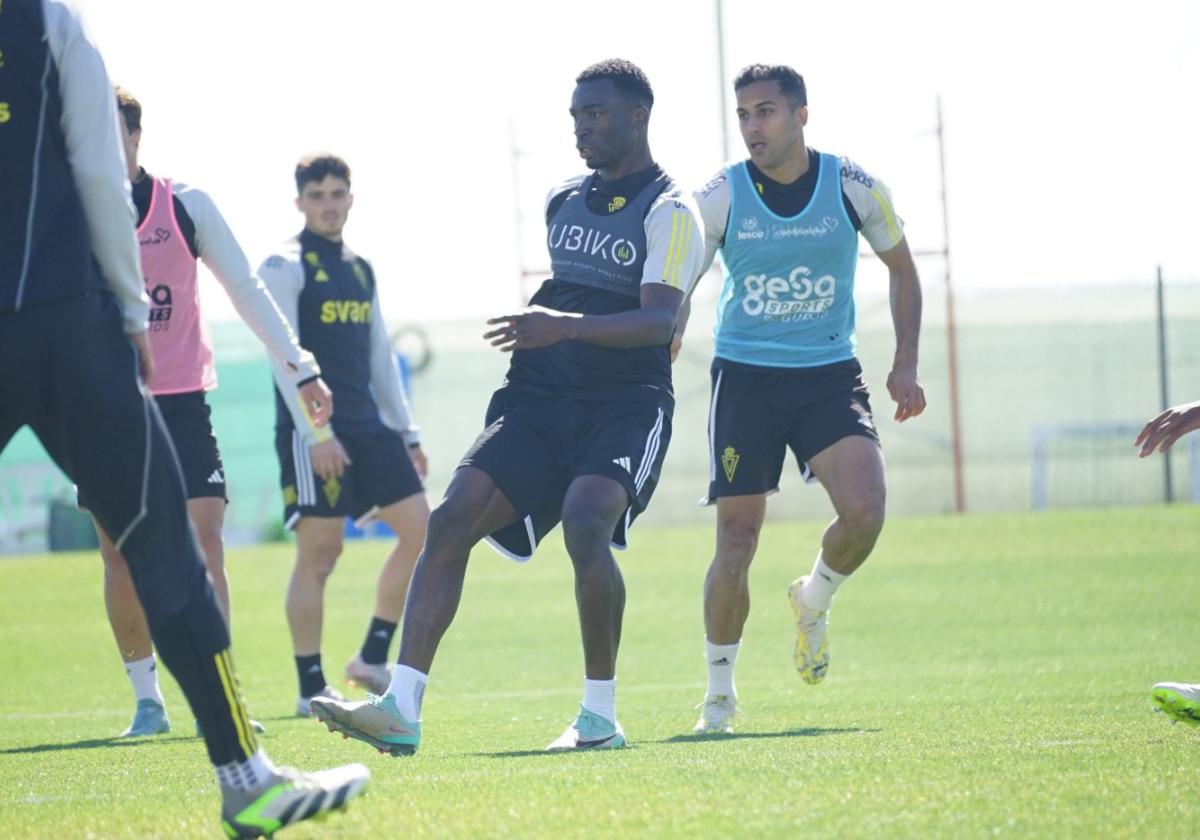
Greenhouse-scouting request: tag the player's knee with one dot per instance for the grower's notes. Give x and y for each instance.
(319, 559)
(863, 518)
(736, 543)
(446, 527)
(586, 532)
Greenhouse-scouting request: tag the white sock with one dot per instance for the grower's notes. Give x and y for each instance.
(721, 659)
(600, 698)
(408, 687)
(822, 582)
(246, 775)
(143, 674)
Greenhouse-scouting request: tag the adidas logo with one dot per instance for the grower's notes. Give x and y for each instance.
(216, 478)
(315, 669)
(624, 463)
(380, 634)
(724, 660)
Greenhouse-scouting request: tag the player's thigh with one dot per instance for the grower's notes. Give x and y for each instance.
(746, 434)
(625, 442)
(833, 405)
(188, 418)
(853, 474)
(472, 508)
(319, 541)
(518, 452)
(408, 518)
(381, 472)
(98, 425)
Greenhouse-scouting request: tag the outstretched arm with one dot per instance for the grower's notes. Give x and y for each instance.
(1168, 427)
(220, 251)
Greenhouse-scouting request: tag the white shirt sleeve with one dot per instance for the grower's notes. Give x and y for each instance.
(284, 279)
(220, 251)
(714, 199)
(386, 386)
(674, 241)
(872, 201)
(97, 159)
(566, 186)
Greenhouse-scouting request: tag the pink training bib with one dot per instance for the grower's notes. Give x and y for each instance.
(179, 340)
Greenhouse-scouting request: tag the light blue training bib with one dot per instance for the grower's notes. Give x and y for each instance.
(788, 299)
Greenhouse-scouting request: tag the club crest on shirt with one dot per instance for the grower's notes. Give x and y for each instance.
(616, 204)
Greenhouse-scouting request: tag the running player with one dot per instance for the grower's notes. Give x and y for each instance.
(371, 466)
(177, 225)
(785, 375)
(579, 430)
(69, 281)
(1180, 701)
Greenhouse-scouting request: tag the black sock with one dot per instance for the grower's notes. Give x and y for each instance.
(379, 639)
(312, 678)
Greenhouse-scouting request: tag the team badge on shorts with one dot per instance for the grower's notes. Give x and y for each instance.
(333, 489)
(729, 460)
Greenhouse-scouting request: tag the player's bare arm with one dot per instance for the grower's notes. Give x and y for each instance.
(681, 321)
(653, 323)
(905, 294)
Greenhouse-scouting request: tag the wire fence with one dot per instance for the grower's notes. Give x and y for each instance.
(1082, 361)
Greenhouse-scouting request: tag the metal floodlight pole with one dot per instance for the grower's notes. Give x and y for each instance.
(960, 493)
(721, 81)
(1163, 395)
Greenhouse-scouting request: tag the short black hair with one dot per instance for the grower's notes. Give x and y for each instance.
(130, 108)
(316, 167)
(790, 82)
(625, 75)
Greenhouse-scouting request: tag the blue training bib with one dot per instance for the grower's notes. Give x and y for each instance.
(788, 299)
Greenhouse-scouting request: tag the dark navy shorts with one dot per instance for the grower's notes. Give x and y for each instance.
(757, 413)
(188, 419)
(534, 446)
(380, 474)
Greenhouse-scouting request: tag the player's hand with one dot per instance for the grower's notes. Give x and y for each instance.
(317, 401)
(419, 461)
(329, 459)
(145, 360)
(906, 390)
(676, 344)
(1168, 427)
(535, 327)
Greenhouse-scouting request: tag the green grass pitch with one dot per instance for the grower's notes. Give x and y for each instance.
(990, 677)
